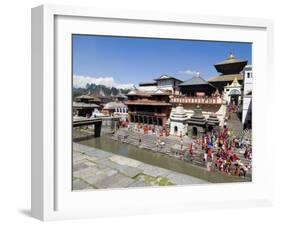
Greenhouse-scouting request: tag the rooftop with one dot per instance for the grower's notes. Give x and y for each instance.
(84, 105)
(231, 65)
(196, 80)
(149, 83)
(156, 92)
(113, 105)
(230, 60)
(226, 78)
(165, 77)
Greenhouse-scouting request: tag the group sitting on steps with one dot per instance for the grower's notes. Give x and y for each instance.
(220, 152)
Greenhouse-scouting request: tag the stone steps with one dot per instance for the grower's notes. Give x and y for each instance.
(148, 141)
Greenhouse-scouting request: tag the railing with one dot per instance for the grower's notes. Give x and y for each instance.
(86, 122)
(147, 113)
(196, 100)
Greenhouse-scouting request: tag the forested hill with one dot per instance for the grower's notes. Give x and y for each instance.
(94, 89)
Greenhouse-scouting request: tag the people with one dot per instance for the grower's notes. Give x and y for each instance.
(181, 143)
(223, 144)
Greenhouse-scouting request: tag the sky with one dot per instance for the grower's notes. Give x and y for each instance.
(124, 61)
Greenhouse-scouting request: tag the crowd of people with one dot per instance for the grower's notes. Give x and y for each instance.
(219, 151)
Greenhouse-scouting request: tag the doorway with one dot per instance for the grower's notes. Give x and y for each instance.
(194, 131)
(176, 130)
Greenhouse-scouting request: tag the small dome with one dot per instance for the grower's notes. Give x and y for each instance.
(179, 114)
(179, 110)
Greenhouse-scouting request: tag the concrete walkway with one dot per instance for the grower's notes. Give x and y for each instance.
(97, 169)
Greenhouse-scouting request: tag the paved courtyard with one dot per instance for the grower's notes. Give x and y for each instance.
(97, 169)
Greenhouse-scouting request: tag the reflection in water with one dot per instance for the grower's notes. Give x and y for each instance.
(156, 159)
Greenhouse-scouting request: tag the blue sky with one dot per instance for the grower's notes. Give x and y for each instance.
(123, 61)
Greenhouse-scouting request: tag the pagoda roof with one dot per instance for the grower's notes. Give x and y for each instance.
(231, 65)
(196, 80)
(230, 60)
(226, 78)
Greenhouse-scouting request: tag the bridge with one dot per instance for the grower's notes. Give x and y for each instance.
(81, 121)
(97, 122)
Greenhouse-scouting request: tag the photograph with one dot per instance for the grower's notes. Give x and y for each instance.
(150, 112)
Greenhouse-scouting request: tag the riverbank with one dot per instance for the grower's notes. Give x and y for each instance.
(97, 169)
(106, 143)
(171, 146)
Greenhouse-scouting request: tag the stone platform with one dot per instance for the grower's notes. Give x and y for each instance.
(97, 169)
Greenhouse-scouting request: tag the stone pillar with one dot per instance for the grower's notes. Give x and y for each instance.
(98, 128)
(129, 117)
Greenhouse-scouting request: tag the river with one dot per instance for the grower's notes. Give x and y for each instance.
(157, 159)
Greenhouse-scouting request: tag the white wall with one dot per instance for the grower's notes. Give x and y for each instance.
(15, 134)
(248, 81)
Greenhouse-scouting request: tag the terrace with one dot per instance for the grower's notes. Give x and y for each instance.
(196, 100)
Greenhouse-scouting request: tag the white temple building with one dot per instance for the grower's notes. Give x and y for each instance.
(178, 121)
(232, 92)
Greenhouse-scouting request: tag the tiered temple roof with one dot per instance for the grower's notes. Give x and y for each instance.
(196, 80)
(229, 69)
(179, 114)
(196, 85)
(231, 65)
(197, 118)
(213, 120)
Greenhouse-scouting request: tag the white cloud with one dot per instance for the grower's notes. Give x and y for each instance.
(188, 72)
(80, 81)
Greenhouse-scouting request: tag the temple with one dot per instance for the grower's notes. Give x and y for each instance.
(197, 123)
(197, 91)
(191, 107)
(232, 93)
(196, 86)
(229, 69)
(85, 105)
(178, 121)
(149, 107)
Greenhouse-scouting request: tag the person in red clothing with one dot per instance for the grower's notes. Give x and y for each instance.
(190, 150)
(234, 158)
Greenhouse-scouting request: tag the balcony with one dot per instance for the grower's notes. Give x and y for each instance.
(146, 113)
(196, 100)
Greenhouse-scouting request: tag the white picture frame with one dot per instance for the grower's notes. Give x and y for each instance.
(52, 197)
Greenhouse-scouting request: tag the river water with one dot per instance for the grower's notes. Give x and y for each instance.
(157, 159)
